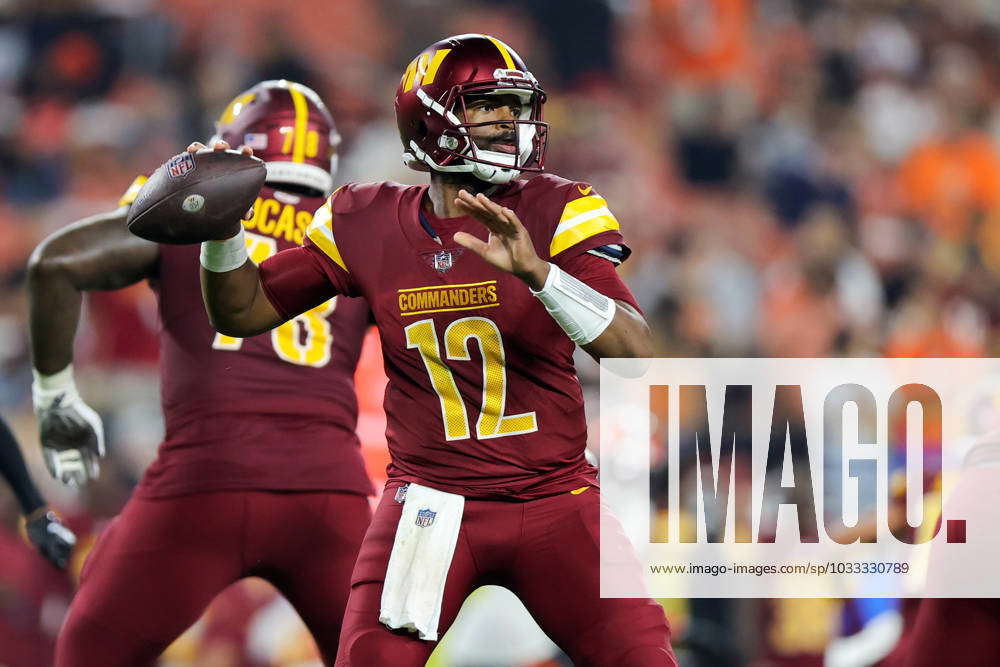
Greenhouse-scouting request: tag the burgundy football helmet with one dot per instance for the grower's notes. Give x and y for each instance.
(289, 128)
(430, 108)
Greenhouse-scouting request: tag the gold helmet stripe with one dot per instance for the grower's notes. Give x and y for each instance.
(301, 123)
(502, 48)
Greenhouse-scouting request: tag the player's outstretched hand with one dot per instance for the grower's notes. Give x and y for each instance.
(221, 145)
(509, 246)
(52, 539)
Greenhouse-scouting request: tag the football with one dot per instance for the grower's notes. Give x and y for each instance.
(195, 197)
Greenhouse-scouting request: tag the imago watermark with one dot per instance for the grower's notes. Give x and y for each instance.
(800, 477)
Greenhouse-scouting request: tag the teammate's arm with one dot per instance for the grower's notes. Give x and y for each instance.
(46, 532)
(603, 327)
(15, 473)
(96, 253)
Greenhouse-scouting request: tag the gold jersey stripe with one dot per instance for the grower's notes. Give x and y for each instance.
(301, 123)
(582, 218)
(502, 48)
(320, 232)
(582, 205)
(577, 220)
(584, 230)
(132, 192)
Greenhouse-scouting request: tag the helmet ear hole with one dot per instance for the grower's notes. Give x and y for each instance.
(422, 130)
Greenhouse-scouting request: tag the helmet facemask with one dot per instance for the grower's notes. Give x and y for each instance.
(457, 151)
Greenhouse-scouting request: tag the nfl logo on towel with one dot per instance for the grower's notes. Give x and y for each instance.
(425, 518)
(180, 165)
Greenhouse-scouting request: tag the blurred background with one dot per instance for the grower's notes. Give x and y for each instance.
(796, 178)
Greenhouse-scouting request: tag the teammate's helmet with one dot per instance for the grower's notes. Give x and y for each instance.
(430, 108)
(289, 128)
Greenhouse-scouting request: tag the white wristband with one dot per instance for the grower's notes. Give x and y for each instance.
(581, 311)
(46, 388)
(223, 256)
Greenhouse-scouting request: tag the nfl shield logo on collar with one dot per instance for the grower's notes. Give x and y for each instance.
(425, 518)
(180, 165)
(442, 260)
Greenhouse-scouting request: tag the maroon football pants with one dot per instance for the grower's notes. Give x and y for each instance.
(160, 562)
(545, 551)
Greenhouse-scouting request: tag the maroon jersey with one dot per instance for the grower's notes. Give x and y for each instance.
(272, 412)
(483, 398)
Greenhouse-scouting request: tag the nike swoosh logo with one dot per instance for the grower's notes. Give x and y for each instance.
(585, 191)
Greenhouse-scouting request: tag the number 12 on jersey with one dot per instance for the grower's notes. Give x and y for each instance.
(492, 422)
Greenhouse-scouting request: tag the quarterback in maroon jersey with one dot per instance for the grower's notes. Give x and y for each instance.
(260, 472)
(479, 301)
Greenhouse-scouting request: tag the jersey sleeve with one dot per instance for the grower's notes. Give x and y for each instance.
(586, 225)
(295, 280)
(600, 274)
(321, 242)
(298, 279)
(133, 190)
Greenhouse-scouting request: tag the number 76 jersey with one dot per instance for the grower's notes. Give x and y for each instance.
(483, 399)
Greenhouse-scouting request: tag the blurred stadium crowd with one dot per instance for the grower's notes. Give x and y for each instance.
(796, 178)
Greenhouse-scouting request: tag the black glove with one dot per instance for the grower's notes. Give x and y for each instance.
(52, 539)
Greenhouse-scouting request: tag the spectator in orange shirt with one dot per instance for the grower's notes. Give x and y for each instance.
(704, 40)
(954, 177)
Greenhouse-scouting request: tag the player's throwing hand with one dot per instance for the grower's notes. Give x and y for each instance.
(220, 145)
(196, 146)
(509, 246)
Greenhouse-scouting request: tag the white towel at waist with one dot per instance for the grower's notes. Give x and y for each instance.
(421, 556)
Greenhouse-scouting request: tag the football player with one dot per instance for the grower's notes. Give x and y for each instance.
(260, 472)
(481, 285)
(44, 529)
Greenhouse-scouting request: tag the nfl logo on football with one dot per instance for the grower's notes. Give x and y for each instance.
(442, 260)
(425, 518)
(180, 165)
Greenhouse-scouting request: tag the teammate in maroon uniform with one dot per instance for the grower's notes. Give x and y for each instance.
(485, 415)
(260, 472)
